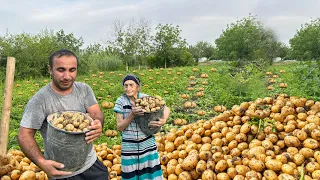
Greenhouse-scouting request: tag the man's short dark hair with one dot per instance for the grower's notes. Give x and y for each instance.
(60, 53)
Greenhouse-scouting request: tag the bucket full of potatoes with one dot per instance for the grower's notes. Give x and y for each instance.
(153, 107)
(66, 139)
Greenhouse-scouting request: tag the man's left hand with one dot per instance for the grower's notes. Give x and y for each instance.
(95, 131)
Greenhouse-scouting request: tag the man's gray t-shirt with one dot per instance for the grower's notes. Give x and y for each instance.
(46, 102)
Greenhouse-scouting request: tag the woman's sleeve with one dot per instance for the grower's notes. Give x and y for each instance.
(118, 107)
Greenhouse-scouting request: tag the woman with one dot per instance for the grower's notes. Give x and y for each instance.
(139, 156)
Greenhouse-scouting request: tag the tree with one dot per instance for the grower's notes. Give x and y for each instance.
(283, 51)
(131, 40)
(169, 48)
(32, 50)
(305, 45)
(247, 40)
(201, 49)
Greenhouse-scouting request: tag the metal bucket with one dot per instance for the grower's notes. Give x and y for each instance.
(144, 120)
(68, 148)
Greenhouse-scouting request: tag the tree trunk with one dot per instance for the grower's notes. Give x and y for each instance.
(127, 67)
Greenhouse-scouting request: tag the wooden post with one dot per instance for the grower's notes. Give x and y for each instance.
(6, 108)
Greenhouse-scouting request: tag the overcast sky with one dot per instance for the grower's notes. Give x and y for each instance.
(199, 20)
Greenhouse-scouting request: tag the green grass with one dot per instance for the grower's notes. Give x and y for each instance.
(223, 88)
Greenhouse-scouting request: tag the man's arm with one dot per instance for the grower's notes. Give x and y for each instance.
(29, 145)
(31, 149)
(96, 126)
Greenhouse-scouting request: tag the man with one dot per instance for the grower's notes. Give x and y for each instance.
(61, 94)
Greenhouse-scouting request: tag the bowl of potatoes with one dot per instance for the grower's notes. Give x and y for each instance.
(153, 107)
(65, 139)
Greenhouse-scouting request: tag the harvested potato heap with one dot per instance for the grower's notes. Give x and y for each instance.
(150, 103)
(111, 158)
(270, 138)
(70, 121)
(15, 166)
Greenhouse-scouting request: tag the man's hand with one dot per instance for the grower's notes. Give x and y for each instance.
(52, 168)
(95, 131)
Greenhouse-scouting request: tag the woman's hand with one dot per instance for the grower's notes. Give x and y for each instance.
(156, 124)
(136, 110)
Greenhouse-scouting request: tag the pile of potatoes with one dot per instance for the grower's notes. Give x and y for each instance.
(269, 138)
(70, 121)
(111, 158)
(15, 166)
(150, 103)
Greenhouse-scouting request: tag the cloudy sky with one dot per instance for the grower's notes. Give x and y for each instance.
(198, 19)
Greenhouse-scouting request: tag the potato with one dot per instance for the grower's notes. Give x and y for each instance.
(316, 174)
(179, 169)
(41, 175)
(172, 162)
(253, 175)
(256, 150)
(5, 169)
(201, 166)
(256, 165)
(208, 175)
(285, 177)
(242, 169)
(223, 176)
(117, 168)
(4, 160)
(6, 177)
(169, 147)
(317, 156)
(287, 169)
(172, 177)
(15, 174)
(171, 169)
(291, 141)
(298, 159)
(28, 175)
(190, 162)
(273, 164)
(111, 133)
(113, 174)
(239, 177)
(194, 174)
(301, 135)
(270, 175)
(306, 152)
(185, 175)
(311, 143)
(107, 163)
(312, 166)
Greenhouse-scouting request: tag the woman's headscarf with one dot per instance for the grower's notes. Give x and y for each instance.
(133, 78)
